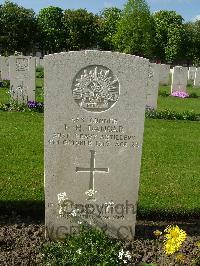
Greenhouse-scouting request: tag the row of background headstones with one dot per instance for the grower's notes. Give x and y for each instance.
(20, 70)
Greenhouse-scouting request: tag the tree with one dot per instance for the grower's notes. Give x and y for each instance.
(134, 30)
(109, 18)
(195, 42)
(50, 24)
(168, 35)
(174, 47)
(18, 28)
(81, 29)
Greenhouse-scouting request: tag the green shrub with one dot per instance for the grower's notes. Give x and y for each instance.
(193, 95)
(163, 93)
(40, 74)
(89, 247)
(6, 83)
(171, 115)
(13, 106)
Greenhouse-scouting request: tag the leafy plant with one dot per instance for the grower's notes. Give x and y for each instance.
(171, 115)
(35, 106)
(193, 95)
(18, 28)
(163, 93)
(51, 28)
(89, 247)
(135, 25)
(13, 106)
(40, 73)
(6, 83)
(81, 29)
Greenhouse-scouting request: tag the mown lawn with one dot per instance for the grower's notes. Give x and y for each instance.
(4, 96)
(178, 104)
(21, 159)
(170, 175)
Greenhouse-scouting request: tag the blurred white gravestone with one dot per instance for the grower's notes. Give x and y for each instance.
(5, 68)
(191, 73)
(164, 74)
(197, 78)
(153, 85)
(179, 79)
(38, 54)
(94, 119)
(22, 78)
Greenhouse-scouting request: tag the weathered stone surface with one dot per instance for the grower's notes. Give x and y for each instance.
(94, 119)
(191, 73)
(197, 78)
(164, 74)
(153, 85)
(5, 68)
(38, 54)
(22, 78)
(179, 78)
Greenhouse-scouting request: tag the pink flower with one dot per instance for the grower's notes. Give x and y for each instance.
(180, 94)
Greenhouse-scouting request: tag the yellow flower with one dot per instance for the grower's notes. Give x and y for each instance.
(198, 244)
(180, 258)
(157, 233)
(173, 239)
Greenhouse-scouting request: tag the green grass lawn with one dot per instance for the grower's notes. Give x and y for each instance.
(171, 103)
(177, 104)
(21, 159)
(4, 96)
(170, 172)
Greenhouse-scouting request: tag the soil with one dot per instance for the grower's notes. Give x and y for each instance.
(21, 239)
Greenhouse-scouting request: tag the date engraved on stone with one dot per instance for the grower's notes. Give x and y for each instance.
(21, 64)
(95, 88)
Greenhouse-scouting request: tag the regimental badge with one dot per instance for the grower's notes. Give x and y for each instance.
(95, 88)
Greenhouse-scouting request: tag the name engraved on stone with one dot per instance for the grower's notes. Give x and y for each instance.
(95, 88)
(21, 64)
(87, 132)
(90, 193)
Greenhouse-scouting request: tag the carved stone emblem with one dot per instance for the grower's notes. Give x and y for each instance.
(95, 88)
(21, 64)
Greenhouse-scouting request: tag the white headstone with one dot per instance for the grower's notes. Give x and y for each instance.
(5, 68)
(153, 85)
(197, 78)
(164, 74)
(179, 79)
(94, 119)
(191, 73)
(38, 54)
(22, 78)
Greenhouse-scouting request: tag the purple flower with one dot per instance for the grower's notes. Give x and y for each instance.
(34, 105)
(180, 94)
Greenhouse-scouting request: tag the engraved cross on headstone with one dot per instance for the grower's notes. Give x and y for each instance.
(92, 169)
